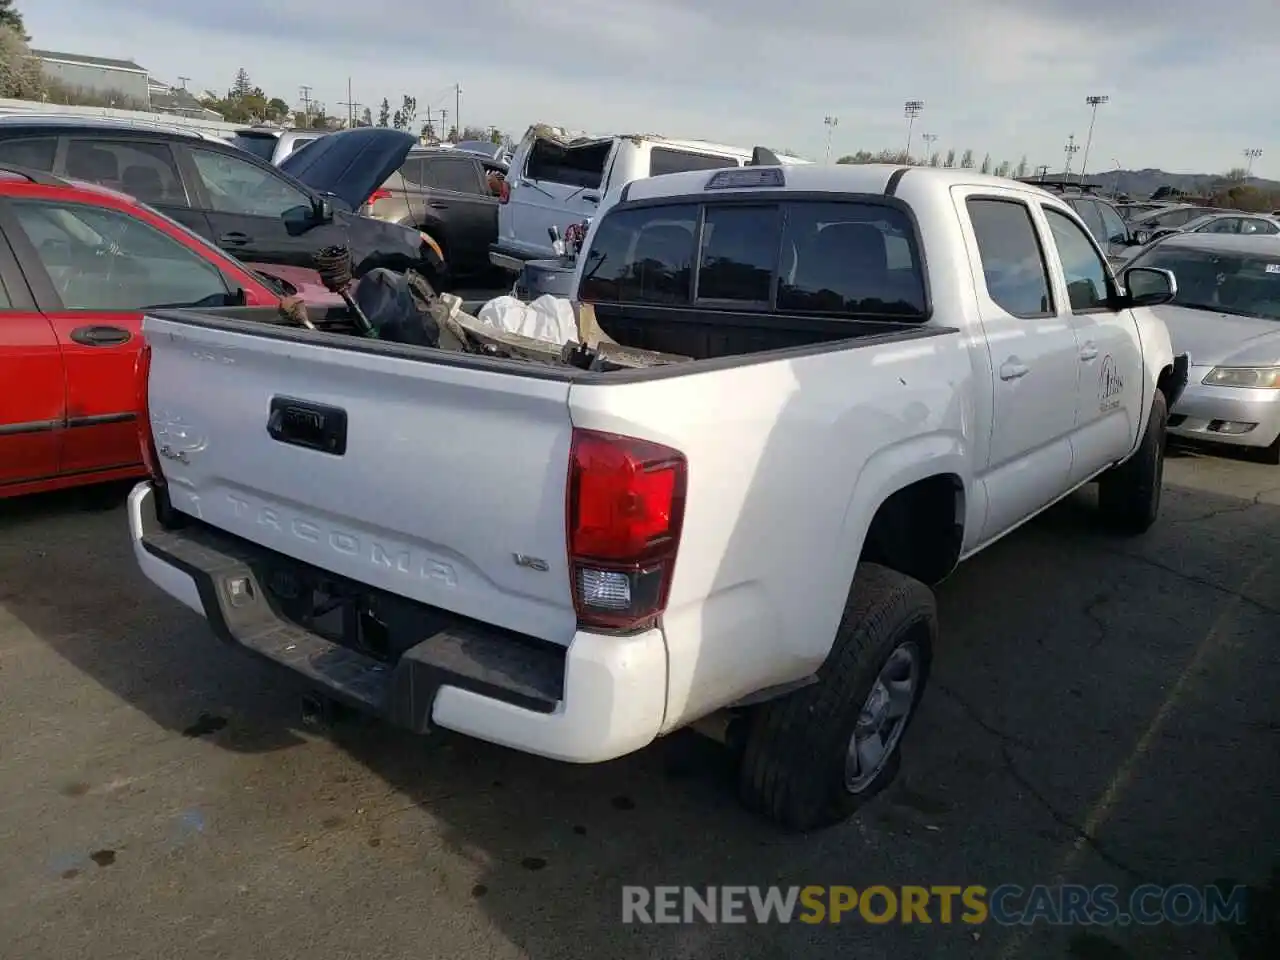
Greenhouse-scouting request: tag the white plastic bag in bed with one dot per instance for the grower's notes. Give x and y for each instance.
(548, 318)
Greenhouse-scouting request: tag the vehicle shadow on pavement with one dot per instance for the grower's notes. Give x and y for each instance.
(1101, 710)
(69, 575)
(1093, 698)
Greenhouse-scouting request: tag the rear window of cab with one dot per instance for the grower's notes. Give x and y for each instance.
(835, 258)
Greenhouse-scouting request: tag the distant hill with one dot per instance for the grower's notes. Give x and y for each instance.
(1140, 184)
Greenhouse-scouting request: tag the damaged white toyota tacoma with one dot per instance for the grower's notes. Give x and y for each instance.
(868, 374)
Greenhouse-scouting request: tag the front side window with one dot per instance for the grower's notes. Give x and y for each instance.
(238, 186)
(1086, 273)
(1114, 230)
(1013, 267)
(1088, 212)
(106, 260)
(144, 170)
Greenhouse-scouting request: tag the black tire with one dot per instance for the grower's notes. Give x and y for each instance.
(793, 768)
(1129, 495)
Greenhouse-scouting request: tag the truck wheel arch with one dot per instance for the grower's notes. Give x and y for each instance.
(918, 529)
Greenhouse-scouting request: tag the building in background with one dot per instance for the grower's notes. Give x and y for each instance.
(178, 101)
(118, 83)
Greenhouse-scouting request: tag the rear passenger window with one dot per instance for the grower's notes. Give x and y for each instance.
(851, 259)
(34, 154)
(642, 255)
(1013, 266)
(459, 176)
(739, 253)
(663, 160)
(145, 170)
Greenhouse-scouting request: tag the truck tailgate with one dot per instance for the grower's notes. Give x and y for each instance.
(444, 484)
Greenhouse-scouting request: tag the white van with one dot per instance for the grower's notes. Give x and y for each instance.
(558, 178)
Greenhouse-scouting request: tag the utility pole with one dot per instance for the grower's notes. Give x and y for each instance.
(929, 140)
(304, 94)
(457, 108)
(1250, 155)
(1093, 103)
(351, 105)
(911, 109)
(1071, 149)
(831, 123)
(444, 121)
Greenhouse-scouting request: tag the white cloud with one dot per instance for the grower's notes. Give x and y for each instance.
(1188, 82)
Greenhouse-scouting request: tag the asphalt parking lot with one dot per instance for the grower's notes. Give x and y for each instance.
(1101, 711)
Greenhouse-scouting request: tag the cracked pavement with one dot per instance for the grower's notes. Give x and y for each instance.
(1101, 710)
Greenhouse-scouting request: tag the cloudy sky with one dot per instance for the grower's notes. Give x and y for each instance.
(1191, 83)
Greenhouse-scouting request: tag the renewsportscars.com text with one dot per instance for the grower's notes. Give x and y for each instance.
(1007, 904)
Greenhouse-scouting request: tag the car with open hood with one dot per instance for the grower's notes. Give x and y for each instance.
(1226, 315)
(257, 212)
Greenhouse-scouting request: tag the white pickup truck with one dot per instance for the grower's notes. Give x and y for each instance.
(891, 368)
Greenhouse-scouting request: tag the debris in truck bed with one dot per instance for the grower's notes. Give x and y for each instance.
(403, 308)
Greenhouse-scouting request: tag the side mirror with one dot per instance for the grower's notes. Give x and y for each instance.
(1149, 287)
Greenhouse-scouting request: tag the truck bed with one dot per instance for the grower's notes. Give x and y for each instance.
(723, 337)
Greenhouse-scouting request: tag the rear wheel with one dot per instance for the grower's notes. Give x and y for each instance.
(1129, 495)
(814, 756)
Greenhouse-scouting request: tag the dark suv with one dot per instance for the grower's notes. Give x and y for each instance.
(259, 213)
(1100, 216)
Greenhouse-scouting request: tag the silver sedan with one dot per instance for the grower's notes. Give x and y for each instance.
(1226, 317)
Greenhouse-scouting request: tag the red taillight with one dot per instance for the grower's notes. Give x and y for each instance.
(625, 510)
(146, 440)
(377, 195)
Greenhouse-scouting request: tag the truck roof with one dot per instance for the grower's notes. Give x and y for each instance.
(815, 178)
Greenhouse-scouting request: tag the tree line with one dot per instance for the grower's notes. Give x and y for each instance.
(1004, 168)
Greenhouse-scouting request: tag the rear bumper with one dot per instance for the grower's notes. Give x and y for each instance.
(600, 698)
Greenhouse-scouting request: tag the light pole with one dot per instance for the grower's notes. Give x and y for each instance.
(911, 109)
(831, 123)
(1250, 155)
(929, 140)
(1071, 149)
(1094, 103)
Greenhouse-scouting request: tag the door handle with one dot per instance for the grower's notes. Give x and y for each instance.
(101, 336)
(1012, 370)
(1088, 352)
(437, 205)
(234, 239)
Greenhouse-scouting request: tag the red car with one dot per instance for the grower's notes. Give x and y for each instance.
(78, 266)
